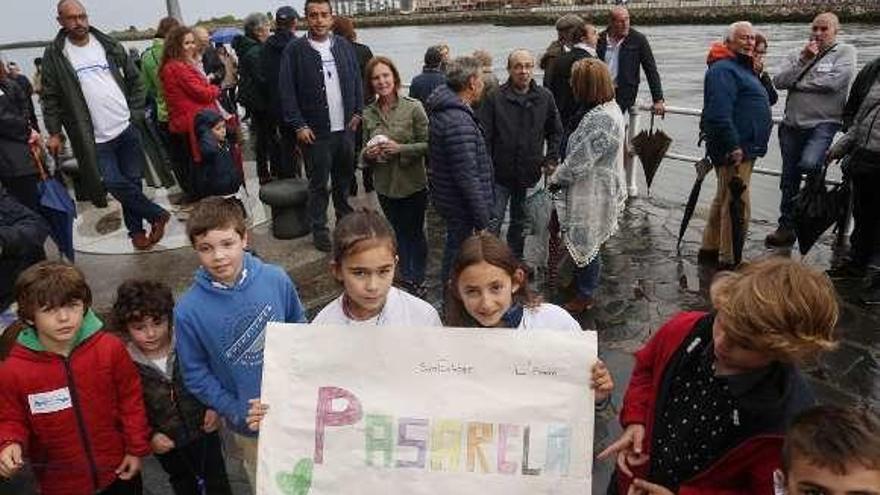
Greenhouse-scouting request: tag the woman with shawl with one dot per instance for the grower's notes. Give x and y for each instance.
(591, 179)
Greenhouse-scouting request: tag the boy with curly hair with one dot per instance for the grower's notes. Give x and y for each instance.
(712, 393)
(183, 433)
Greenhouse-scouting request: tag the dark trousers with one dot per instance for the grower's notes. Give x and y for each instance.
(407, 216)
(181, 162)
(134, 486)
(587, 277)
(287, 166)
(121, 163)
(865, 238)
(517, 198)
(265, 144)
(202, 458)
(329, 158)
(803, 152)
(24, 190)
(456, 233)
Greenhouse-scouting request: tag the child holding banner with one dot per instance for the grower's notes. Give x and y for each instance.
(184, 434)
(221, 320)
(364, 262)
(711, 393)
(489, 288)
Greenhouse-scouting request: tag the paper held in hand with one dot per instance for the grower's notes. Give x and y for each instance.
(426, 410)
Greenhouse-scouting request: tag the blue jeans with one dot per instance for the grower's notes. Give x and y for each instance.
(517, 199)
(456, 233)
(121, 163)
(407, 216)
(329, 158)
(587, 278)
(803, 152)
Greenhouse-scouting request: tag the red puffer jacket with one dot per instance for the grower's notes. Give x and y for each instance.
(75, 418)
(747, 469)
(186, 92)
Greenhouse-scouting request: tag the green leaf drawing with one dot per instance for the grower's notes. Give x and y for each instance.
(297, 482)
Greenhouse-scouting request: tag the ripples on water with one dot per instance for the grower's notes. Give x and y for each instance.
(680, 52)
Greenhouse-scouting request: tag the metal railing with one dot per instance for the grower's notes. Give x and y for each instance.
(629, 158)
(634, 128)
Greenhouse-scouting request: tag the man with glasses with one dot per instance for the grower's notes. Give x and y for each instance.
(94, 91)
(517, 121)
(817, 78)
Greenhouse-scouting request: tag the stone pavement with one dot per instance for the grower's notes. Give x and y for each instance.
(644, 281)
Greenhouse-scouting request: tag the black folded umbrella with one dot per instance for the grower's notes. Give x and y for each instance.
(651, 146)
(703, 167)
(737, 221)
(816, 208)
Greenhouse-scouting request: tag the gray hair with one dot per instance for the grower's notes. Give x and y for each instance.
(253, 21)
(460, 71)
(736, 26)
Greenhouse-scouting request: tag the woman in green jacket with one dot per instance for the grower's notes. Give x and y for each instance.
(395, 147)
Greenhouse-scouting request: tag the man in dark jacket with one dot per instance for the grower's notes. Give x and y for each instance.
(432, 76)
(625, 50)
(22, 235)
(211, 63)
(17, 172)
(518, 120)
(285, 27)
(737, 124)
(459, 167)
(252, 95)
(580, 43)
(322, 97)
(93, 89)
(25, 84)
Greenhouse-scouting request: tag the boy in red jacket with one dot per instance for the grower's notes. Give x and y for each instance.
(70, 397)
(711, 394)
(831, 450)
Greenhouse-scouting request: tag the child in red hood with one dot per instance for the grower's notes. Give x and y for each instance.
(711, 393)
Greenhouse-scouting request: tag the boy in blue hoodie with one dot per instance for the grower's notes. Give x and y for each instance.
(221, 320)
(217, 174)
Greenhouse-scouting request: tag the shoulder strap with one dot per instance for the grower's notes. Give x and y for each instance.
(812, 64)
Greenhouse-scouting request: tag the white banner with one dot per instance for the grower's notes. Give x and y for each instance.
(379, 410)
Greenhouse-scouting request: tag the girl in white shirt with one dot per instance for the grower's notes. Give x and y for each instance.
(364, 262)
(489, 288)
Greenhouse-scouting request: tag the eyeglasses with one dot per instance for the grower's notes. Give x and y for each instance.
(820, 28)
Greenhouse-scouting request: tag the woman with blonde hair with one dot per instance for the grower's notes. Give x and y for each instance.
(591, 179)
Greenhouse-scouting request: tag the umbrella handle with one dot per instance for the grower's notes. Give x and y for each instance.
(37, 156)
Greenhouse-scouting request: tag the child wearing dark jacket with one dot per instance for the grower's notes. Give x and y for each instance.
(712, 393)
(217, 174)
(183, 433)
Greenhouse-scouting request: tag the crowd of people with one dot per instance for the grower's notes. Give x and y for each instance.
(716, 403)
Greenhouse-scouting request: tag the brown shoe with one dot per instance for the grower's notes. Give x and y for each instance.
(140, 241)
(782, 238)
(157, 227)
(579, 304)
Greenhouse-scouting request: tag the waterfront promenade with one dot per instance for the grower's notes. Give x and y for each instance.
(644, 281)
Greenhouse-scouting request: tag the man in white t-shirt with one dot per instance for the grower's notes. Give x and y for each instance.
(93, 90)
(322, 99)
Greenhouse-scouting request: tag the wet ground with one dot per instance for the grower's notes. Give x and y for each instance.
(644, 282)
